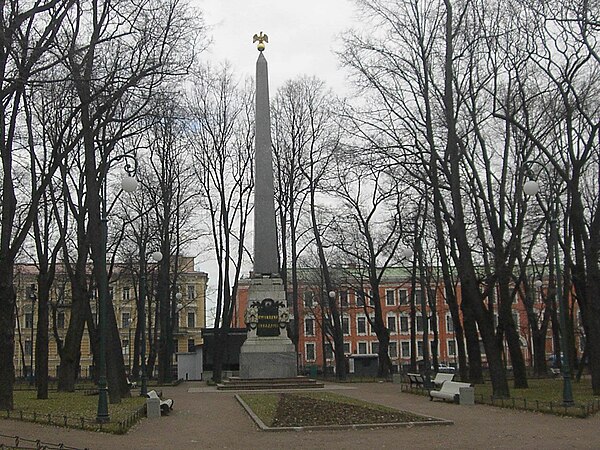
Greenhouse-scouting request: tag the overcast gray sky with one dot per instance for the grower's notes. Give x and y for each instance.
(302, 35)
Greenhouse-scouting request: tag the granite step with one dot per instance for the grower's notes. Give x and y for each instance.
(236, 383)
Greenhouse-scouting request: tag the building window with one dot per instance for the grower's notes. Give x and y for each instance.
(449, 324)
(191, 292)
(418, 296)
(390, 297)
(419, 324)
(404, 324)
(346, 325)
(405, 349)
(515, 315)
(370, 297)
(391, 324)
(310, 351)
(28, 320)
(328, 351)
(344, 298)
(125, 319)
(125, 346)
(309, 326)
(362, 348)
(420, 349)
(360, 298)
(308, 299)
(451, 347)
(111, 292)
(375, 348)
(60, 320)
(191, 345)
(393, 349)
(126, 294)
(402, 296)
(191, 319)
(347, 349)
(361, 325)
(28, 348)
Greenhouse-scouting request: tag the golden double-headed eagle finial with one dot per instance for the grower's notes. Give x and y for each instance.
(261, 38)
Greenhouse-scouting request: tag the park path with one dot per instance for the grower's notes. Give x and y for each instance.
(204, 418)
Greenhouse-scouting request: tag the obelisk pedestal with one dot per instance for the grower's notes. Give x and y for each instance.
(267, 351)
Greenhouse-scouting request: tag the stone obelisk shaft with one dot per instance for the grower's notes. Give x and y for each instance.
(265, 235)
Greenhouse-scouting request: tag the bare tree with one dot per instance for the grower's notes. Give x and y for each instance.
(303, 126)
(371, 209)
(221, 134)
(29, 33)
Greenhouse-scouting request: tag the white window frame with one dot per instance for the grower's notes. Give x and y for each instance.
(374, 347)
(449, 344)
(403, 345)
(346, 320)
(387, 303)
(406, 301)
(449, 324)
(306, 320)
(310, 301)
(395, 328)
(358, 345)
(366, 325)
(314, 351)
(407, 318)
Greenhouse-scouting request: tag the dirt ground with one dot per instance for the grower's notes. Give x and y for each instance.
(204, 418)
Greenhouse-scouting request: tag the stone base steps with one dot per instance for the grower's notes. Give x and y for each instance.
(236, 383)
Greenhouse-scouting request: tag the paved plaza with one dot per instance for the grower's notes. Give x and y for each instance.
(204, 418)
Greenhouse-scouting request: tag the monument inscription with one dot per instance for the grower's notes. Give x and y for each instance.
(268, 318)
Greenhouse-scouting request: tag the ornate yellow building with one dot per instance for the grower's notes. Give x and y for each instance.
(190, 308)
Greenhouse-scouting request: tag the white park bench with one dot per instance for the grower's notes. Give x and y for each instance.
(450, 390)
(165, 405)
(415, 379)
(441, 377)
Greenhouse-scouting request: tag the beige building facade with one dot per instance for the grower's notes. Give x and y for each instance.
(190, 307)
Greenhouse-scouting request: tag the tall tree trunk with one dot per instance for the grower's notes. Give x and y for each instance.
(70, 353)
(7, 338)
(511, 333)
(42, 339)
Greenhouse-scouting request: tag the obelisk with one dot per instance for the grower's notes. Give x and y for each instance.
(267, 351)
(265, 235)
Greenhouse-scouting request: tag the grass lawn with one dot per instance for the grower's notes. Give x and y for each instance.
(74, 409)
(545, 395)
(545, 389)
(323, 408)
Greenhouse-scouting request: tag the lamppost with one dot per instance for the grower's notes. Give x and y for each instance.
(33, 298)
(156, 257)
(127, 183)
(532, 188)
(331, 295)
(178, 307)
(130, 185)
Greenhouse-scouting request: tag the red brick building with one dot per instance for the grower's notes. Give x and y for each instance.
(359, 339)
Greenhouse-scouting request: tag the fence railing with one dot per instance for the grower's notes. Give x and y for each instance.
(549, 407)
(82, 423)
(18, 442)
